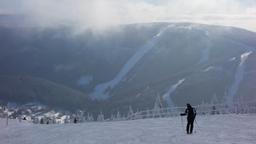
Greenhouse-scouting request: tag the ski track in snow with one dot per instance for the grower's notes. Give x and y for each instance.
(85, 80)
(205, 55)
(167, 96)
(213, 129)
(206, 51)
(238, 77)
(100, 91)
(212, 68)
(209, 68)
(232, 59)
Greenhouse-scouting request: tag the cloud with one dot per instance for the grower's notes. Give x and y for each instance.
(103, 13)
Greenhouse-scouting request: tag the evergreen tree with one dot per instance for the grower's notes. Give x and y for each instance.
(118, 116)
(112, 117)
(42, 121)
(138, 115)
(66, 119)
(130, 113)
(89, 117)
(100, 117)
(157, 107)
(148, 115)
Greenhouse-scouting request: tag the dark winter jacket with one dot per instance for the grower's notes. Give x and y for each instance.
(190, 112)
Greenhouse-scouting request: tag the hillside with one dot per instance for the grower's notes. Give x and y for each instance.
(128, 65)
(23, 89)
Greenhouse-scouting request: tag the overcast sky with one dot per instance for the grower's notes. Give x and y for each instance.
(103, 13)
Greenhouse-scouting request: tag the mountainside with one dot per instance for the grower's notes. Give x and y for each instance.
(128, 65)
(24, 89)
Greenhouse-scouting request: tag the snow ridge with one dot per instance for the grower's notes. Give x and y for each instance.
(238, 77)
(167, 96)
(100, 91)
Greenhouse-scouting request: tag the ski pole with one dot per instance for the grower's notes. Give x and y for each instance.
(182, 124)
(197, 125)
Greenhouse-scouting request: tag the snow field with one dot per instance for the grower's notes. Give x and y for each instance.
(213, 129)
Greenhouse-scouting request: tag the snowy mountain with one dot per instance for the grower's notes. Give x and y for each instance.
(217, 129)
(127, 65)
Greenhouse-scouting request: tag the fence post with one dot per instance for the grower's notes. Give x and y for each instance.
(7, 119)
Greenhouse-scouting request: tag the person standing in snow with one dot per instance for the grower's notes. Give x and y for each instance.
(191, 114)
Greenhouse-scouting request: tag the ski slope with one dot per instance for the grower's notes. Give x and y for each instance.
(214, 129)
(167, 96)
(101, 89)
(239, 76)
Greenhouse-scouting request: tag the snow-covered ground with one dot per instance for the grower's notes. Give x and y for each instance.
(214, 129)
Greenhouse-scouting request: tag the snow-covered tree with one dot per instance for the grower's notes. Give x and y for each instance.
(138, 115)
(100, 117)
(118, 116)
(67, 119)
(80, 116)
(89, 117)
(112, 117)
(35, 120)
(214, 102)
(157, 107)
(42, 120)
(130, 112)
(148, 115)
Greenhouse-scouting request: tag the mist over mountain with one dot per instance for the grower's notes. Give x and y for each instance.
(127, 65)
